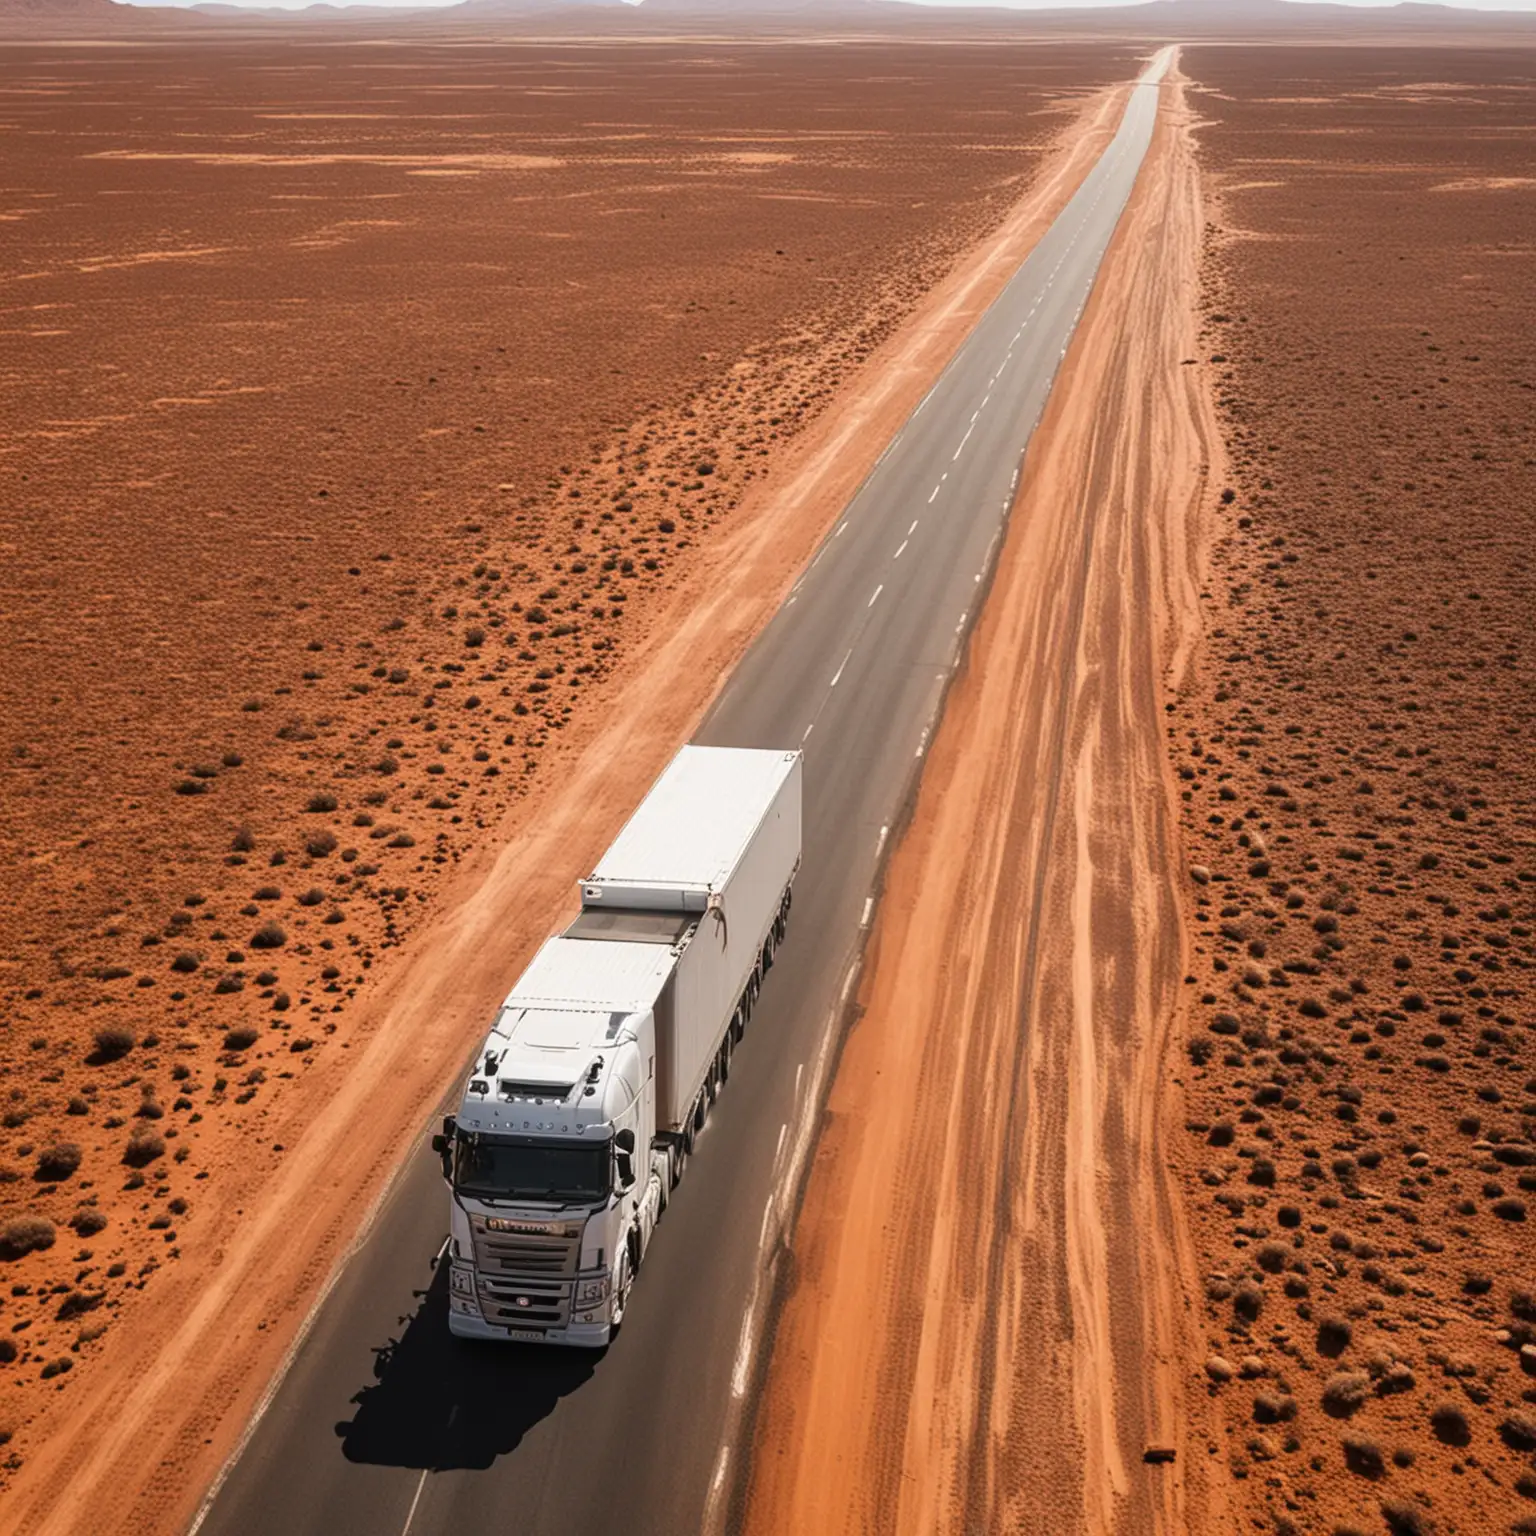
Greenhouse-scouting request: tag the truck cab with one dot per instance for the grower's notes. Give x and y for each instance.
(556, 1188)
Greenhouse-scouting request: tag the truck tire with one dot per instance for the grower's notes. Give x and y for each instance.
(677, 1162)
(739, 1022)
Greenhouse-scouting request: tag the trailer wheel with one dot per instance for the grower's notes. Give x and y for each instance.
(712, 1082)
(723, 1071)
(739, 1023)
(700, 1114)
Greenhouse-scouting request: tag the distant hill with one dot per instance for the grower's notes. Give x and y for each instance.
(1155, 20)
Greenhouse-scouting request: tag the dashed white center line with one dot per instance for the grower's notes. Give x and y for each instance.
(912, 529)
(939, 487)
(839, 672)
(964, 440)
(903, 545)
(873, 595)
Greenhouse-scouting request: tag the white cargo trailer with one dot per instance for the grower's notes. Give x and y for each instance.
(604, 1059)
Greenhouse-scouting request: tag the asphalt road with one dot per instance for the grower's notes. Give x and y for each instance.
(384, 1424)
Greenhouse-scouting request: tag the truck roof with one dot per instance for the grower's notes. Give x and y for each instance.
(593, 976)
(693, 827)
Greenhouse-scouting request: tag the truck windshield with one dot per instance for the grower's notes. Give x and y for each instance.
(528, 1168)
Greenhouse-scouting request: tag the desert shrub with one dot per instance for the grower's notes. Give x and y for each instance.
(77, 1106)
(1271, 1257)
(144, 1146)
(77, 1303)
(269, 936)
(266, 893)
(1450, 1424)
(1523, 1305)
(321, 803)
(1364, 1457)
(58, 1161)
(87, 1221)
(1274, 1408)
(112, 1043)
(241, 1039)
(312, 897)
(303, 1043)
(57, 1367)
(1333, 1336)
(228, 984)
(1248, 1302)
(243, 841)
(1345, 1393)
(1518, 1431)
(192, 787)
(402, 840)
(185, 963)
(320, 844)
(25, 1234)
(1405, 1519)
(8, 1353)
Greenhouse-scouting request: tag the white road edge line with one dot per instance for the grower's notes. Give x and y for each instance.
(421, 1483)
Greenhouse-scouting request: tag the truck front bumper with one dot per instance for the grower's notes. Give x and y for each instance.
(467, 1325)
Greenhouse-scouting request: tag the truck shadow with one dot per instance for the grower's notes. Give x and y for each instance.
(441, 1404)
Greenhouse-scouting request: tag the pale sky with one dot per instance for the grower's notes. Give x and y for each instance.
(1017, 5)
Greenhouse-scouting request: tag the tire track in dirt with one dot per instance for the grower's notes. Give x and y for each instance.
(992, 1277)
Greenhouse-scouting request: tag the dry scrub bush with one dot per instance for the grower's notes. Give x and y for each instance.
(58, 1161)
(1345, 1393)
(144, 1146)
(25, 1234)
(112, 1043)
(1449, 1422)
(269, 936)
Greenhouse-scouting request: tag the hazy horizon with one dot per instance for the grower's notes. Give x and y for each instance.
(1523, 6)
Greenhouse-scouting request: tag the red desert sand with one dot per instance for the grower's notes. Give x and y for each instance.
(380, 439)
(1355, 759)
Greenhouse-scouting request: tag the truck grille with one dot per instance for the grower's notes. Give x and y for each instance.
(525, 1278)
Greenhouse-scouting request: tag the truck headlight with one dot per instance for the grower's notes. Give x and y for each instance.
(462, 1279)
(589, 1292)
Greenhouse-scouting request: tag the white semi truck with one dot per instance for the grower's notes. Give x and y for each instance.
(580, 1113)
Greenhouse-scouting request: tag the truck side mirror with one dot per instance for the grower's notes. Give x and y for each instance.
(442, 1144)
(623, 1156)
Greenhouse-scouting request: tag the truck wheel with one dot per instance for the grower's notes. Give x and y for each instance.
(626, 1284)
(723, 1070)
(739, 1023)
(700, 1114)
(677, 1160)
